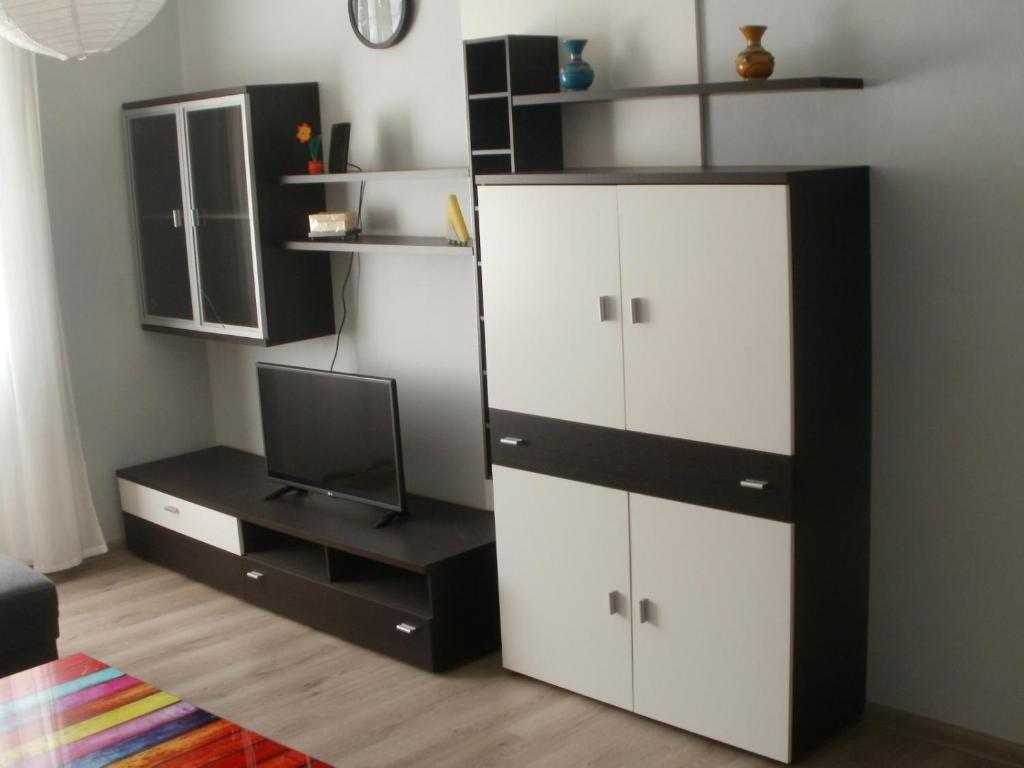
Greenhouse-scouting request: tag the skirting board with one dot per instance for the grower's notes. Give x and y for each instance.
(973, 742)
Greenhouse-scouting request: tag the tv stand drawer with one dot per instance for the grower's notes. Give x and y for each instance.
(184, 517)
(330, 609)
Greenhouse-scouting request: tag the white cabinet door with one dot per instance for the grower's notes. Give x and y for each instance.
(714, 654)
(551, 302)
(709, 358)
(563, 582)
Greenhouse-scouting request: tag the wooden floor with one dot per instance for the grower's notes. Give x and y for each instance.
(353, 707)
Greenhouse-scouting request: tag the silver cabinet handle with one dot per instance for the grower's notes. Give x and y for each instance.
(645, 611)
(636, 310)
(196, 218)
(177, 219)
(613, 602)
(254, 575)
(406, 629)
(172, 509)
(515, 442)
(603, 311)
(754, 485)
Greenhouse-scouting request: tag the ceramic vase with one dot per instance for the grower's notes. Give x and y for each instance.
(577, 75)
(754, 62)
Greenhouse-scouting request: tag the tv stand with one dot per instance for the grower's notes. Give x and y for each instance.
(425, 591)
(284, 491)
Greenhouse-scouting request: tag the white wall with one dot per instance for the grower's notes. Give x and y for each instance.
(411, 317)
(139, 396)
(641, 42)
(939, 122)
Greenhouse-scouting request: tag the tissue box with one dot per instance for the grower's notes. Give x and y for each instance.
(332, 224)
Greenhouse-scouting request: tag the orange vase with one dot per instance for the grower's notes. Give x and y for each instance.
(754, 62)
(316, 166)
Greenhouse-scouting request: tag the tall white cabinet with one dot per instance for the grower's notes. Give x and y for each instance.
(678, 371)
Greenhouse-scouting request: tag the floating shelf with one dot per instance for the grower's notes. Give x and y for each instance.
(433, 246)
(490, 152)
(491, 95)
(422, 174)
(692, 89)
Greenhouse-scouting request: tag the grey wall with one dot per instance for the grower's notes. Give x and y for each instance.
(411, 317)
(939, 122)
(139, 395)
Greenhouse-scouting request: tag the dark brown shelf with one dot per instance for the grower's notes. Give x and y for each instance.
(692, 89)
(714, 174)
(235, 483)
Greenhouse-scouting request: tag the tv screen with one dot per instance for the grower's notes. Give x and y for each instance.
(336, 433)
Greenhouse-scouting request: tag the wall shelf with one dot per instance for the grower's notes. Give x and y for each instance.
(422, 174)
(691, 89)
(427, 246)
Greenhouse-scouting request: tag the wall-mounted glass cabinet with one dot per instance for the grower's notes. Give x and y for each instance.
(210, 216)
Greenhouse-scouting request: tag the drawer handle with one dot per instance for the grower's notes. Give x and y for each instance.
(515, 442)
(172, 509)
(254, 575)
(613, 602)
(406, 629)
(603, 312)
(754, 485)
(636, 311)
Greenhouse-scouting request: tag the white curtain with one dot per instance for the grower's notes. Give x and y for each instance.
(47, 516)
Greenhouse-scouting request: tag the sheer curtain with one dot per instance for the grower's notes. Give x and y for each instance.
(47, 516)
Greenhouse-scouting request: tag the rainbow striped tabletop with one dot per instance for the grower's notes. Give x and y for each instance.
(79, 712)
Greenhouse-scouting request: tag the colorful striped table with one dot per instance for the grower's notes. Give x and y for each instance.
(80, 712)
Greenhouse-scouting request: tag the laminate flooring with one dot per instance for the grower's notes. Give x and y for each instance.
(353, 707)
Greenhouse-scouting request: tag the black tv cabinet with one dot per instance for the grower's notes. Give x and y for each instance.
(423, 590)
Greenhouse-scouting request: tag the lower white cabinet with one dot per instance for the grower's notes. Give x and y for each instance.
(681, 613)
(713, 651)
(563, 583)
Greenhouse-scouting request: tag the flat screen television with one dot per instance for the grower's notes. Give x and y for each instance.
(333, 433)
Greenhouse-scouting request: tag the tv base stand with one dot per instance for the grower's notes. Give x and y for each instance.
(424, 591)
(284, 491)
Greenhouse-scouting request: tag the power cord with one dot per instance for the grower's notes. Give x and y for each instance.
(344, 311)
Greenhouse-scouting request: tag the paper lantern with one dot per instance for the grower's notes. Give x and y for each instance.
(74, 29)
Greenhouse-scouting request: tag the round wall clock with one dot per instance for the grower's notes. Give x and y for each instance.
(379, 23)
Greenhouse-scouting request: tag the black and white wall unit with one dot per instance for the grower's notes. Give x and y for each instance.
(679, 389)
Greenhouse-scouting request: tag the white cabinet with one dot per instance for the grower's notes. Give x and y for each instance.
(662, 309)
(702, 641)
(707, 422)
(563, 553)
(551, 296)
(708, 352)
(713, 651)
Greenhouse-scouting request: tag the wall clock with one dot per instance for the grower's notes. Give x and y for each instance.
(379, 23)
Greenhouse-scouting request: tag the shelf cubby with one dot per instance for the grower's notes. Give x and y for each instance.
(281, 550)
(380, 582)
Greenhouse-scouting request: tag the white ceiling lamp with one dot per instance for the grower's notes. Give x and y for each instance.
(74, 29)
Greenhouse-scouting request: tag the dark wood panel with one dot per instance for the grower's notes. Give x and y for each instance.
(298, 292)
(338, 613)
(195, 559)
(235, 483)
(464, 596)
(687, 174)
(830, 236)
(692, 89)
(682, 470)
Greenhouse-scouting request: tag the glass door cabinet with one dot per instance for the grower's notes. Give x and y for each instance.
(206, 265)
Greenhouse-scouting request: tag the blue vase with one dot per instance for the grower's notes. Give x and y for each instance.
(577, 75)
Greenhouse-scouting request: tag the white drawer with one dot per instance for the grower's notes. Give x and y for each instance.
(184, 517)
